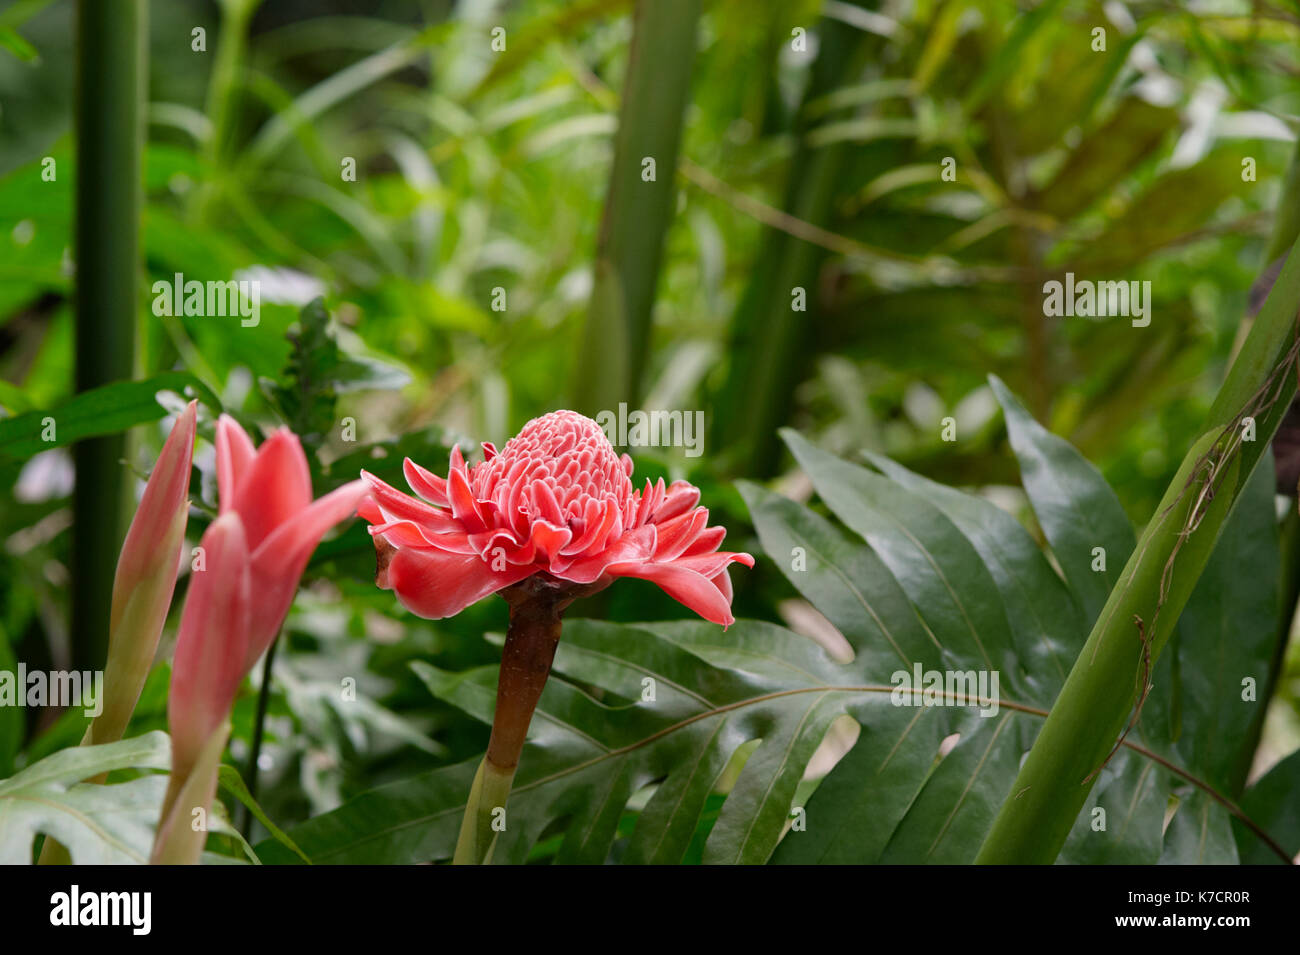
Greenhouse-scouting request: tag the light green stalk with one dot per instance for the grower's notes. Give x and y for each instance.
(1100, 694)
(536, 608)
(182, 827)
(637, 212)
(486, 805)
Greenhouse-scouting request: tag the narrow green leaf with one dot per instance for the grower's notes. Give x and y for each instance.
(103, 411)
(1077, 509)
(229, 779)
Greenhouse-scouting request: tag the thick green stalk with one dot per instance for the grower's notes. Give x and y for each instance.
(110, 88)
(771, 341)
(1101, 691)
(638, 210)
(531, 639)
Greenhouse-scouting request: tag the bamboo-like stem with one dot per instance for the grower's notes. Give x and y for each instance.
(769, 344)
(1100, 694)
(110, 87)
(637, 211)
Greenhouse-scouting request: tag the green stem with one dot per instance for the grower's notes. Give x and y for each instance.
(1101, 691)
(770, 341)
(227, 72)
(110, 87)
(637, 211)
(255, 749)
(536, 608)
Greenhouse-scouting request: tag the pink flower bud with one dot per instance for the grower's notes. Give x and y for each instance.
(212, 649)
(270, 489)
(146, 579)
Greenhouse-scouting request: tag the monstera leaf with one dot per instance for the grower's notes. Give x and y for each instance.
(664, 742)
(99, 825)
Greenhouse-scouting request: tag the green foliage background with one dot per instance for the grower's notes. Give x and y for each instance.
(818, 168)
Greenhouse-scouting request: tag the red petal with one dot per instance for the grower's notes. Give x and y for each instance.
(425, 483)
(278, 562)
(161, 506)
(693, 590)
(681, 497)
(545, 506)
(435, 585)
(678, 534)
(635, 546)
(463, 506)
(276, 486)
(212, 649)
(397, 506)
(235, 455)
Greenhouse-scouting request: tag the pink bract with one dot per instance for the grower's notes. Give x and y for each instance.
(213, 645)
(269, 488)
(556, 500)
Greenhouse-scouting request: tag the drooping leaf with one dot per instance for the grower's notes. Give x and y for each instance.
(107, 410)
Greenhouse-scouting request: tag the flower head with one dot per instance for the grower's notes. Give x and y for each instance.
(269, 488)
(253, 556)
(146, 579)
(213, 644)
(557, 500)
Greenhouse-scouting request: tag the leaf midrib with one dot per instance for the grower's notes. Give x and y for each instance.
(777, 694)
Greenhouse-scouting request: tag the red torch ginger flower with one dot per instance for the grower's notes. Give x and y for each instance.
(556, 501)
